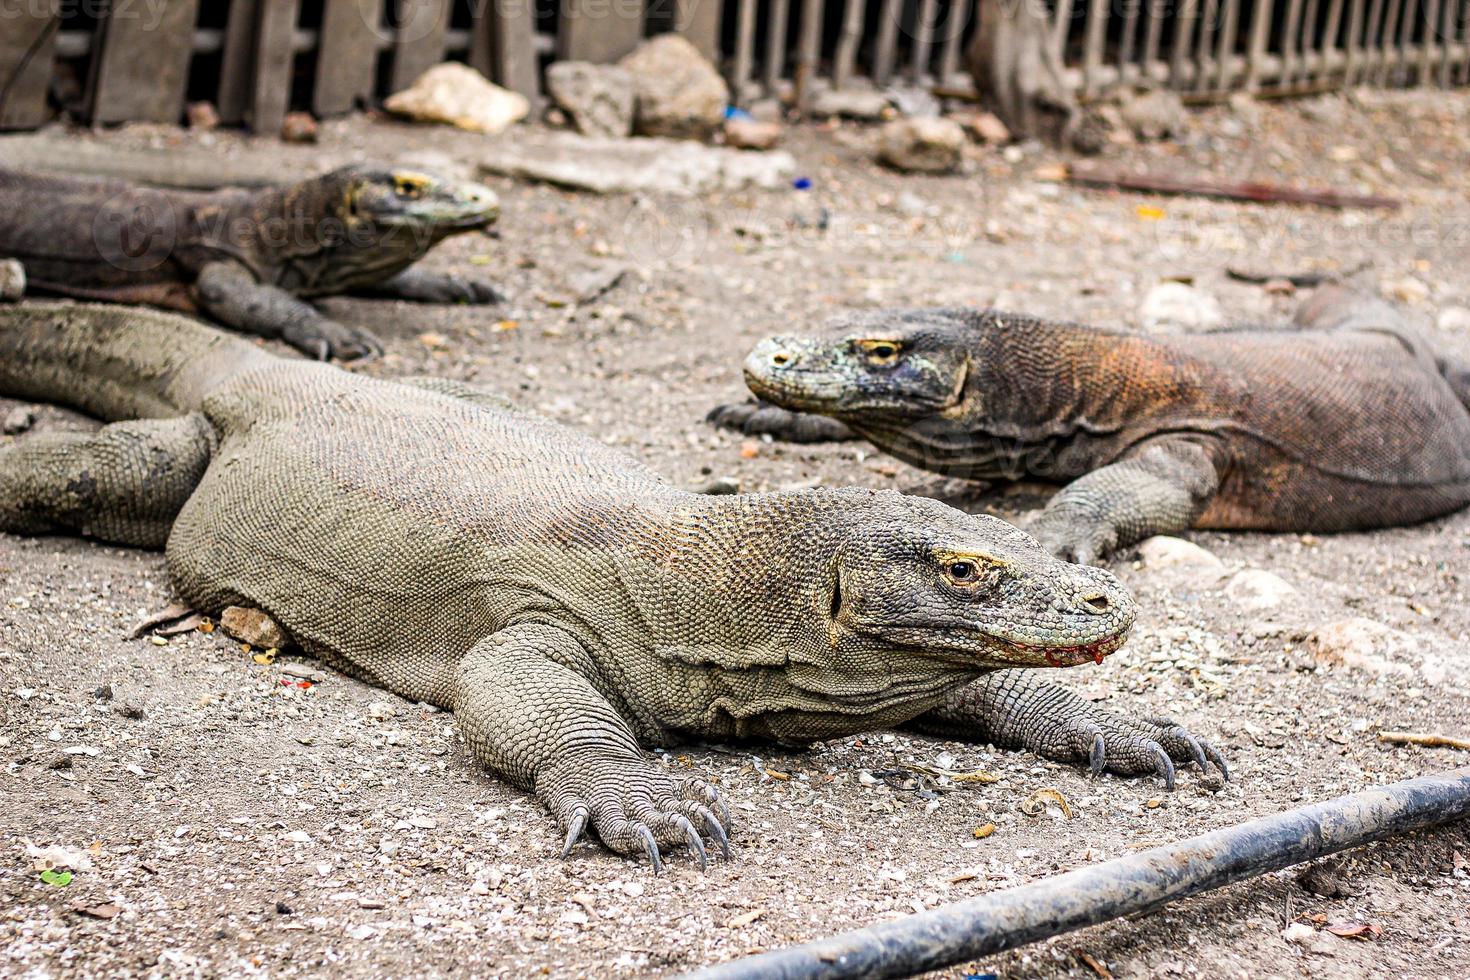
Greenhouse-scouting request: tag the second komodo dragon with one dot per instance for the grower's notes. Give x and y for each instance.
(250, 259)
(563, 600)
(1347, 420)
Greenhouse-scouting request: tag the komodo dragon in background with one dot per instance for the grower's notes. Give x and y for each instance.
(248, 258)
(563, 600)
(1345, 422)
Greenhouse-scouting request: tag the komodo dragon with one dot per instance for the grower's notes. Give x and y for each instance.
(1345, 421)
(564, 601)
(249, 259)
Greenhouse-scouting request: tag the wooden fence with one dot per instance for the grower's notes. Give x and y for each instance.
(110, 61)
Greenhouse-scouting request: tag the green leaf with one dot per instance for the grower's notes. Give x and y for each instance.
(58, 878)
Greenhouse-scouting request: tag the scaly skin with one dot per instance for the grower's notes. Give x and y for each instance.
(564, 601)
(249, 259)
(1348, 421)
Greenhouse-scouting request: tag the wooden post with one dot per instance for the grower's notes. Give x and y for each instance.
(1262, 13)
(923, 48)
(700, 21)
(955, 22)
(594, 30)
(1153, 35)
(1183, 34)
(744, 49)
(1388, 50)
(503, 42)
(888, 17)
(1353, 47)
(1225, 50)
(1203, 56)
(1330, 36)
(808, 50)
(1309, 42)
(419, 43)
(27, 50)
(847, 41)
(140, 62)
(1132, 10)
(1431, 32)
(347, 55)
(274, 57)
(780, 12)
(1097, 24)
(237, 62)
(1406, 39)
(1292, 32)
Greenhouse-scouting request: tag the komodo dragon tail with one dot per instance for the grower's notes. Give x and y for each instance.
(115, 362)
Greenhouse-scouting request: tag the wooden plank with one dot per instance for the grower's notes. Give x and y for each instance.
(27, 51)
(1225, 50)
(503, 46)
(848, 39)
(775, 66)
(1097, 24)
(956, 18)
(1353, 48)
(923, 47)
(1154, 33)
(270, 84)
(1183, 33)
(347, 55)
(237, 62)
(808, 49)
(418, 44)
(1132, 9)
(744, 49)
(590, 30)
(140, 62)
(1203, 57)
(700, 21)
(883, 48)
(1262, 14)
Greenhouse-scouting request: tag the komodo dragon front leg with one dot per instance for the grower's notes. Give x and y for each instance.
(229, 292)
(1159, 487)
(124, 483)
(432, 287)
(757, 418)
(526, 704)
(1014, 709)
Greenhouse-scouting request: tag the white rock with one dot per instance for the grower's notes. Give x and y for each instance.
(599, 99)
(12, 280)
(18, 420)
(661, 166)
(1179, 305)
(924, 145)
(852, 104)
(456, 94)
(679, 92)
(1162, 551)
(1154, 114)
(1298, 932)
(1454, 318)
(1255, 589)
(1360, 643)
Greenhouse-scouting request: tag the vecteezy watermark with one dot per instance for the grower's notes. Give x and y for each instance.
(136, 231)
(150, 12)
(668, 233)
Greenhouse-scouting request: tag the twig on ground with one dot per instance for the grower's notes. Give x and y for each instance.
(1425, 738)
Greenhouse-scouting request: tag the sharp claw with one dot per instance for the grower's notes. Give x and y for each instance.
(696, 846)
(1217, 759)
(323, 350)
(1164, 766)
(651, 846)
(718, 833)
(1099, 755)
(1196, 751)
(574, 830)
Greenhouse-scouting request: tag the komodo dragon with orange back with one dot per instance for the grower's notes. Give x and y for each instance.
(1347, 421)
(564, 601)
(250, 259)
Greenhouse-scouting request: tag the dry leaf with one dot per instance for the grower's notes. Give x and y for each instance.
(983, 831)
(1355, 930)
(1035, 804)
(745, 918)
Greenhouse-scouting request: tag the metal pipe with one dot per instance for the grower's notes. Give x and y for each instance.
(1141, 882)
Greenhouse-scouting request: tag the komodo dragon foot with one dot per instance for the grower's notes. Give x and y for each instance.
(1013, 709)
(756, 418)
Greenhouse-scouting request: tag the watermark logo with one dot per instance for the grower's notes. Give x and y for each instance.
(667, 233)
(136, 231)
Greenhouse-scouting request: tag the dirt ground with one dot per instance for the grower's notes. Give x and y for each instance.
(242, 824)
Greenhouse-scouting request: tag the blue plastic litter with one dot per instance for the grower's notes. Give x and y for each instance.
(802, 183)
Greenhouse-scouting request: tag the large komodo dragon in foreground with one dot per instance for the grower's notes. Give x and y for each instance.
(1346, 421)
(248, 258)
(563, 600)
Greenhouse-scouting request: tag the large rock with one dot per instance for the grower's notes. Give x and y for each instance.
(850, 103)
(598, 99)
(635, 165)
(253, 627)
(1255, 589)
(1361, 643)
(1163, 551)
(12, 280)
(925, 145)
(460, 96)
(679, 92)
(1174, 304)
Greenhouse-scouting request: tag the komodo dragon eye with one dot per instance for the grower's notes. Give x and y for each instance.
(880, 351)
(962, 571)
(409, 187)
(968, 569)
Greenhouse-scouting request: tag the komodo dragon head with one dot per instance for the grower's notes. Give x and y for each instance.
(385, 198)
(908, 364)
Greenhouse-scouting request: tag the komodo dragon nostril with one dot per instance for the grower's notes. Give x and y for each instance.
(1098, 601)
